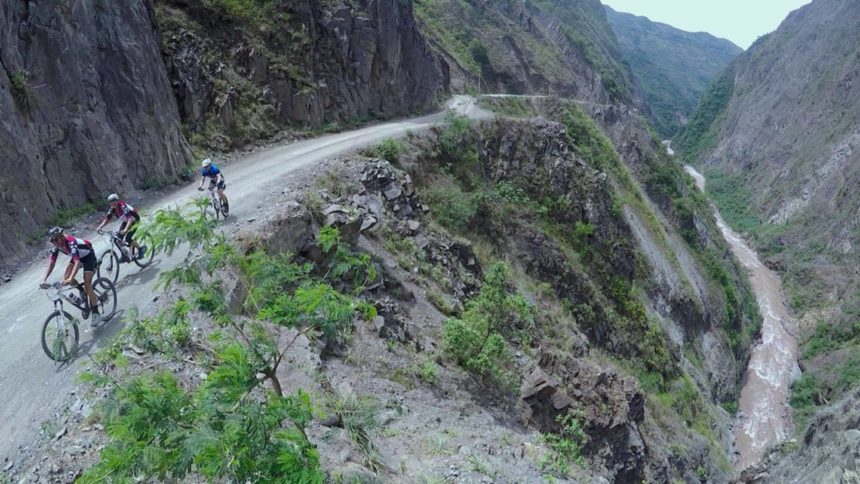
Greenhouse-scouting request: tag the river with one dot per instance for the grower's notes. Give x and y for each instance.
(764, 416)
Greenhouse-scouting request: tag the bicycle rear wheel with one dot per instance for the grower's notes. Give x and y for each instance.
(108, 266)
(106, 296)
(60, 336)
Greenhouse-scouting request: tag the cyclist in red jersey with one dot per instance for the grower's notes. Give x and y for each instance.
(130, 219)
(82, 255)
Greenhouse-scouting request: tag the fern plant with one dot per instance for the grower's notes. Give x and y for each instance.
(225, 429)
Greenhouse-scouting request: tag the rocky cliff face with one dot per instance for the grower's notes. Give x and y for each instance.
(674, 67)
(86, 110)
(777, 135)
(241, 76)
(558, 47)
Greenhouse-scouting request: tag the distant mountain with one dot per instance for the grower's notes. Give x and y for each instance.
(674, 67)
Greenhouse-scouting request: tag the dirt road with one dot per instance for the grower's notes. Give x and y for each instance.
(32, 387)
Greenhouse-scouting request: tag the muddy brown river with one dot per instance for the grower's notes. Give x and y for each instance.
(763, 412)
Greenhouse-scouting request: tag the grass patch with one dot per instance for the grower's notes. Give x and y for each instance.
(734, 200)
(389, 150)
(67, 217)
(828, 337)
(512, 107)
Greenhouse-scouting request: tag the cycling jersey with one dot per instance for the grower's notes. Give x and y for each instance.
(210, 171)
(122, 210)
(77, 248)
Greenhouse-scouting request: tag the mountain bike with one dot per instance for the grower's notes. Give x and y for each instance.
(110, 260)
(219, 203)
(60, 331)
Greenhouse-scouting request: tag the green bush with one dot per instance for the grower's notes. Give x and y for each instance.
(479, 53)
(828, 337)
(167, 332)
(566, 445)
(475, 341)
(449, 204)
(161, 431)
(21, 91)
(806, 395)
(390, 150)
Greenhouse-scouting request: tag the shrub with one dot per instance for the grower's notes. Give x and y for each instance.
(806, 394)
(21, 91)
(450, 205)
(475, 340)
(566, 445)
(162, 431)
(390, 150)
(479, 53)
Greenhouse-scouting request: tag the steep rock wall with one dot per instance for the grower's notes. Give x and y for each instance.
(307, 64)
(86, 109)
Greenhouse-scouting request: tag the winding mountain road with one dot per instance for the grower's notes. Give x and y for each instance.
(33, 387)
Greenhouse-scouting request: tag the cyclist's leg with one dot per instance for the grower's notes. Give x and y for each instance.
(221, 187)
(129, 237)
(89, 262)
(88, 287)
(123, 242)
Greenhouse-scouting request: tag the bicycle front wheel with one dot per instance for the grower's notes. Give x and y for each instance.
(106, 297)
(225, 206)
(108, 266)
(146, 260)
(217, 207)
(60, 336)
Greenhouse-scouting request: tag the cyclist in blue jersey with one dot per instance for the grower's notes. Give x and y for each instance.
(216, 179)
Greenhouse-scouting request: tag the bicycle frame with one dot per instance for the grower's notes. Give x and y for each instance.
(58, 295)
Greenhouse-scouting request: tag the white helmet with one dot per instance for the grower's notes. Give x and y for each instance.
(206, 162)
(113, 197)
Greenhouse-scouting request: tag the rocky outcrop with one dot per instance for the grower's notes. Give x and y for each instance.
(238, 79)
(829, 452)
(87, 110)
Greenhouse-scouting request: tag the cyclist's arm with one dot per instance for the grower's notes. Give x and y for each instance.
(75, 270)
(127, 226)
(105, 220)
(50, 267)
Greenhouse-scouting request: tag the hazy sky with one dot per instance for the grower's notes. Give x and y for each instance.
(741, 21)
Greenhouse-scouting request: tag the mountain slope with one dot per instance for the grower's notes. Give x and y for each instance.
(674, 67)
(778, 135)
(534, 46)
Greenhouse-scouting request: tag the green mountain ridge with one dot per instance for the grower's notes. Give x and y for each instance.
(674, 67)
